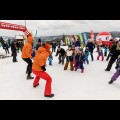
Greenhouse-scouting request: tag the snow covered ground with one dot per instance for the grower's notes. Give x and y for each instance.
(66, 85)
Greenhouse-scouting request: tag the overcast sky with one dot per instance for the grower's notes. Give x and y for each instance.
(58, 27)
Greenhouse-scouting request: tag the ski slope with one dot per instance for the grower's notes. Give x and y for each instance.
(66, 85)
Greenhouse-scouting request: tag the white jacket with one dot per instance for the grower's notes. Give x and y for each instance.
(69, 52)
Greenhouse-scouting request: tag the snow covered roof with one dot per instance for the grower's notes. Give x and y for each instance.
(19, 37)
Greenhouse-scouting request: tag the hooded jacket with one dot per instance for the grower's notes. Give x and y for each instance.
(27, 49)
(41, 57)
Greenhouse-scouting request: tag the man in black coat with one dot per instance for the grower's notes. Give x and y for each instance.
(77, 44)
(115, 52)
(38, 44)
(53, 47)
(91, 47)
(14, 51)
(6, 47)
(18, 46)
(61, 53)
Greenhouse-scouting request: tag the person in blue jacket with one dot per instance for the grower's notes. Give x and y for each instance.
(50, 59)
(86, 54)
(105, 50)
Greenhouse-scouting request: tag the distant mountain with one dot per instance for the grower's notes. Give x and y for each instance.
(115, 34)
(60, 37)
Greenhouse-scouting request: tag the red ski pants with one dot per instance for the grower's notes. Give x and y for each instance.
(45, 76)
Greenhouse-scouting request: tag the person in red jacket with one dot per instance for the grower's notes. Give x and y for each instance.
(38, 68)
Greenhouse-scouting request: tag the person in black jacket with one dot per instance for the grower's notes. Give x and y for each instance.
(18, 46)
(91, 47)
(61, 53)
(5, 46)
(38, 44)
(77, 44)
(14, 51)
(21, 45)
(115, 52)
(53, 47)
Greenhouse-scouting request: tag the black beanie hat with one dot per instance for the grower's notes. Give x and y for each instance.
(39, 40)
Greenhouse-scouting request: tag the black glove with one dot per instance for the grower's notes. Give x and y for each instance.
(110, 54)
(43, 67)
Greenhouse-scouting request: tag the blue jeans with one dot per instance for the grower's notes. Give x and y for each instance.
(50, 62)
(86, 58)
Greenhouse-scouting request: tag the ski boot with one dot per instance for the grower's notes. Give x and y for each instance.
(50, 96)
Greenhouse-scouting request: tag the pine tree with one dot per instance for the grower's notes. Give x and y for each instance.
(1, 40)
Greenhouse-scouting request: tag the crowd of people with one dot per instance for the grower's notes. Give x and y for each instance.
(76, 55)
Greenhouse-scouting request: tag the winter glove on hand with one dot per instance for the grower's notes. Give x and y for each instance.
(43, 67)
(111, 54)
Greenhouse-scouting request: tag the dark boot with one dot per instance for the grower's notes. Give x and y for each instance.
(75, 69)
(66, 66)
(36, 85)
(71, 66)
(107, 69)
(111, 81)
(29, 77)
(52, 95)
(82, 71)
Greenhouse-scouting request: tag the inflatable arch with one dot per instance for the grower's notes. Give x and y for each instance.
(9, 26)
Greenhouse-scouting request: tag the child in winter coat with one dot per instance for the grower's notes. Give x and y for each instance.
(77, 50)
(79, 60)
(50, 59)
(86, 54)
(117, 73)
(100, 53)
(105, 50)
(69, 58)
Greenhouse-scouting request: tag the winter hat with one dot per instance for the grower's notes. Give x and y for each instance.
(118, 46)
(119, 56)
(100, 48)
(47, 47)
(89, 40)
(39, 40)
(43, 44)
(69, 46)
(80, 49)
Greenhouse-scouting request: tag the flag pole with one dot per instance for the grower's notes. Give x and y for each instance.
(25, 22)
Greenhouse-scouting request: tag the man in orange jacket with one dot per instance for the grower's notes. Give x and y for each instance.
(27, 55)
(38, 68)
